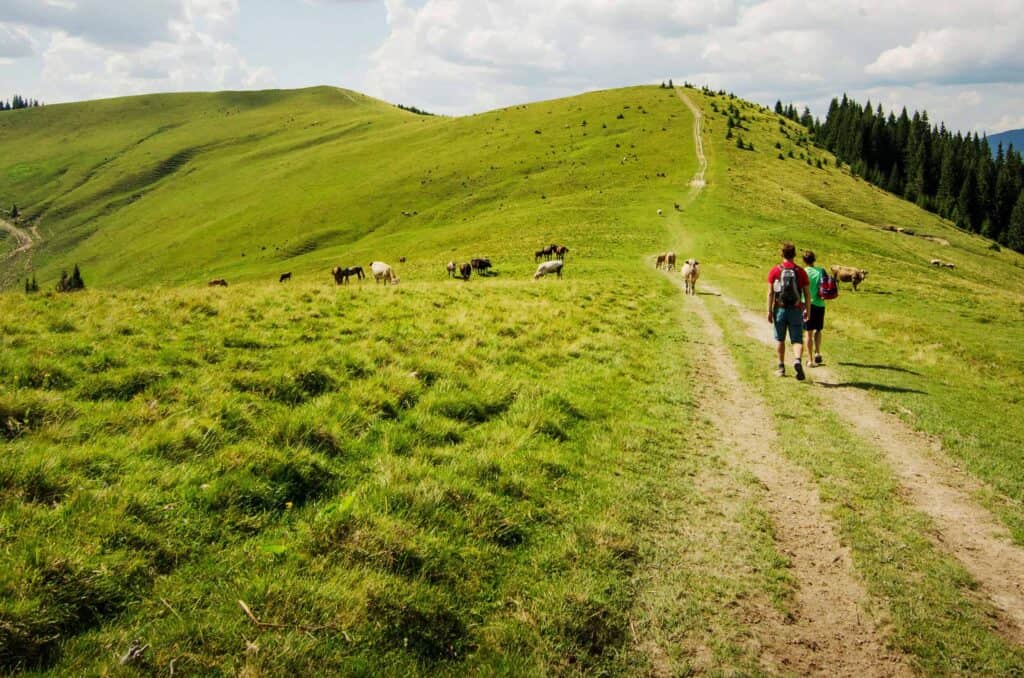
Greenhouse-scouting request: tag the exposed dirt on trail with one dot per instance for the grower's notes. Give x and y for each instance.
(698, 179)
(829, 632)
(965, 529)
(24, 238)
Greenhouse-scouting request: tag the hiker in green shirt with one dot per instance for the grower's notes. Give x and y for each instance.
(815, 322)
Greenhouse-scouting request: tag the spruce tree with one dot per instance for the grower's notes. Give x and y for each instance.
(76, 279)
(14, 212)
(1015, 230)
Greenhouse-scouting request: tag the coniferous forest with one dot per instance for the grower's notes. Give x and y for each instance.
(952, 174)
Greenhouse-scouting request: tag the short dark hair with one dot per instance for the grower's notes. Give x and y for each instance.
(809, 257)
(788, 250)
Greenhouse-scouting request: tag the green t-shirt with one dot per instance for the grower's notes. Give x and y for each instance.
(814, 274)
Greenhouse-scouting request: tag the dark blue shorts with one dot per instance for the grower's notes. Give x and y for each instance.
(792, 318)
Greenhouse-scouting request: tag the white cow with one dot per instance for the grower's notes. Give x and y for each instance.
(691, 271)
(547, 267)
(382, 271)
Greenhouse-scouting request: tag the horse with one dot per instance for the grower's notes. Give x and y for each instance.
(341, 275)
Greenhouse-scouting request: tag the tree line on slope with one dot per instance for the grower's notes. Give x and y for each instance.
(954, 175)
(18, 101)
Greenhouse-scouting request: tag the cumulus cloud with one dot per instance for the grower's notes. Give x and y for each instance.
(459, 56)
(96, 48)
(15, 43)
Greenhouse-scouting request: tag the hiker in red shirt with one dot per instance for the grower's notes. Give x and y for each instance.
(789, 300)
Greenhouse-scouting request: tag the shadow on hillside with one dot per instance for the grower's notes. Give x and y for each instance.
(869, 386)
(709, 294)
(885, 292)
(891, 368)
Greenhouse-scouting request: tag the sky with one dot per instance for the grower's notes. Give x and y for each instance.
(962, 61)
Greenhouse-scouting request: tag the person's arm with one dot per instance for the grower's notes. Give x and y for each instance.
(807, 302)
(771, 302)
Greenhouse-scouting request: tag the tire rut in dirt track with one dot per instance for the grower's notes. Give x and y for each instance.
(830, 633)
(965, 529)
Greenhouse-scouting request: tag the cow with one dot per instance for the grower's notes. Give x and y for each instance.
(561, 251)
(538, 255)
(660, 213)
(691, 272)
(480, 265)
(849, 274)
(401, 260)
(548, 267)
(285, 276)
(949, 264)
(219, 282)
(341, 275)
(660, 261)
(936, 262)
(382, 271)
(451, 269)
(670, 261)
(465, 270)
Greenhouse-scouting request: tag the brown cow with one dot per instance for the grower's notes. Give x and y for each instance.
(660, 261)
(561, 251)
(219, 282)
(670, 260)
(465, 270)
(849, 274)
(451, 269)
(285, 276)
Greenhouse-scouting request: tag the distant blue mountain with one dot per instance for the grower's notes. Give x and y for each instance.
(1011, 136)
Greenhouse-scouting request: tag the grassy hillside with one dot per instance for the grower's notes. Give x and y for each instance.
(494, 476)
(938, 346)
(181, 188)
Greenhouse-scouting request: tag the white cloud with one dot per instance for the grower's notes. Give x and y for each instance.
(460, 56)
(187, 46)
(15, 43)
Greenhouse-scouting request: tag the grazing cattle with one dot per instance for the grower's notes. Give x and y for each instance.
(561, 251)
(660, 261)
(451, 269)
(660, 213)
(465, 270)
(949, 264)
(849, 274)
(670, 261)
(480, 265)
(547, 252)
(538, 255)
(341, 275)
(401, 260)
(285, 276)
(219, 282)
(382, 271)
(549, 267)
(691, 272)
(936, 262)
(678, 207)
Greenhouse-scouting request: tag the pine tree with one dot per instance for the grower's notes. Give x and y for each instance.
(14, 212)
(76, 279)
(1015, 229)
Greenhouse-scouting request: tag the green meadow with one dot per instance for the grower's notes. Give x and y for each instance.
(499, 475)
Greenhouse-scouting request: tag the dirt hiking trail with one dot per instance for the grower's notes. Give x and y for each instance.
(963, 527)
(24, 238)
(698, 141)
(830, 631)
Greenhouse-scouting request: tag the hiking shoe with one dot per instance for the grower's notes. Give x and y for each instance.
(781, 372)
(799, 369)
(817, 359)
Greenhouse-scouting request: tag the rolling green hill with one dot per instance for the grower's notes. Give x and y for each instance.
(497, 475)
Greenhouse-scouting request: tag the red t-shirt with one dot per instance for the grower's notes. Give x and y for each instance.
(802, 281)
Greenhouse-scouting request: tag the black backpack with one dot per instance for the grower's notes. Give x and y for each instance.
(787, 289)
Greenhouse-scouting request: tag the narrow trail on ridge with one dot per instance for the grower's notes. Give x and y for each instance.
(24, 238)
(828, 630)
(698, 141)
(964, 528)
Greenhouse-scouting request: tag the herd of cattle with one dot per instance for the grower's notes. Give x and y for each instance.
(690, 271)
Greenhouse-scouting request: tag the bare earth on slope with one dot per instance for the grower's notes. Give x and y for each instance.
(829, 634)
(698, 179)
(22, 236)
(972, 534)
